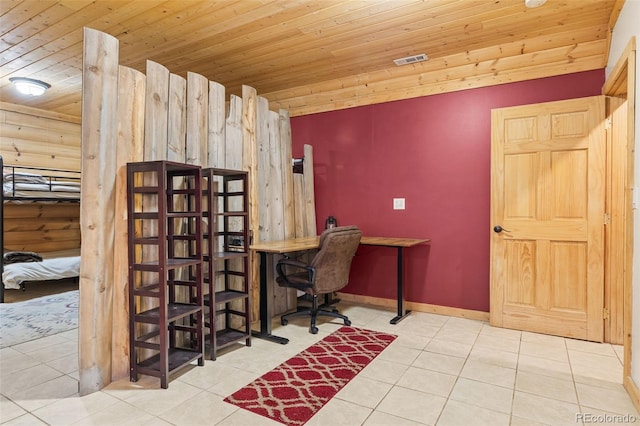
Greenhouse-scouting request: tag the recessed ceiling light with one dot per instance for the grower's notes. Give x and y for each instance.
(29, 86)
(534, 3)
(411, 59)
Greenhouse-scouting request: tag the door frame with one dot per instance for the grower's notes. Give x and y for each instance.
(621, 83)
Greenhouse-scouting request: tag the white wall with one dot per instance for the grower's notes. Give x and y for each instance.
(627, 27)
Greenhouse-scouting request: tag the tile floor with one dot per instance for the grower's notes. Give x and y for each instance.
(440, 371)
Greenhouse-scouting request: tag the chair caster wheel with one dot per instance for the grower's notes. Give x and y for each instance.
(313, 330)
(284, 321)
(347, 322)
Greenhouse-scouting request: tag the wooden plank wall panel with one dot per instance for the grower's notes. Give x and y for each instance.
(129, 148)
(299, 205)
(177, 128)
(197, 106)
(284, 298)
(266, 203)
(177, 118)
(249, 160)
(233, 159)
(287, 171)
(51, 155)
(217, 128)
(309, 197)
(229, 154)
(197, 118)
(177, 104)
(216, 141)
(156, 112)
(233, 142)
(38, 138)
(177, 131)
(273, 171)
(50, 240)
(275, 177)
(286, 166)
(262, 131)
(99, 125)
(156, 147)
(156, 125)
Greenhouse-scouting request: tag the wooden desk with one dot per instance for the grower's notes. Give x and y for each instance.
(310, 243)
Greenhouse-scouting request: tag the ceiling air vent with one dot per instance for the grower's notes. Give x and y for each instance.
(411, 59)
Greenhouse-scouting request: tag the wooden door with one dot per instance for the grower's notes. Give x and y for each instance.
(547, 211)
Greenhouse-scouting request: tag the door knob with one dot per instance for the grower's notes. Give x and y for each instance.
(498, 229)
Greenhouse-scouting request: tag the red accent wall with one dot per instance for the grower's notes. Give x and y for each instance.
(434, 151)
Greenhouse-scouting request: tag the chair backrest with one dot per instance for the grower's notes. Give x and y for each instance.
(333, 260)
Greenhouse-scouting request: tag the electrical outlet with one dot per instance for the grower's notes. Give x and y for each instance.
(398, 203)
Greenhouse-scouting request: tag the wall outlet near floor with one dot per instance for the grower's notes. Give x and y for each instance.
(398, 203)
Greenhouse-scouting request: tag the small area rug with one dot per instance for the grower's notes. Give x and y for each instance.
(295, 390)
(32, 319)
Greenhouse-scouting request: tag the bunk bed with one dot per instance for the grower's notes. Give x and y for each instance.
(36, 185)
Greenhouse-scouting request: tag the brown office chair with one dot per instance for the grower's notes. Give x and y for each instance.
(327, 272)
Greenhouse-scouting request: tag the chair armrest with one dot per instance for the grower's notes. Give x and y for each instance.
(291, 262)
(303, 281)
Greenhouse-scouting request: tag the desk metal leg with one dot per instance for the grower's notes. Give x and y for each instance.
(265, 318)
(402, 314)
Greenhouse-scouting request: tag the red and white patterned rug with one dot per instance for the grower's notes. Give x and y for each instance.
(295, 390)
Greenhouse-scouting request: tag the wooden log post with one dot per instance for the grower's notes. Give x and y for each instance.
(129, 148)
(97, 211)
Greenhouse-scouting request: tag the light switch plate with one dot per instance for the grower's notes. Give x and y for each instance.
(398, 203)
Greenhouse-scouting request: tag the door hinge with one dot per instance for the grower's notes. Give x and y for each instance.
(607, 219)
(607, 123)
(605, 313)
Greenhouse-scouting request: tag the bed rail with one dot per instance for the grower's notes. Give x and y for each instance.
(31, 184)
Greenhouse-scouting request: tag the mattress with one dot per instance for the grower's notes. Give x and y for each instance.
(51, 268)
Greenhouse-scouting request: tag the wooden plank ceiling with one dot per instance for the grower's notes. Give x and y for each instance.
(308, 55)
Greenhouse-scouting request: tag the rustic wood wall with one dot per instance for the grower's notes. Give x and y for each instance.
(37, 138)
(155, 117)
